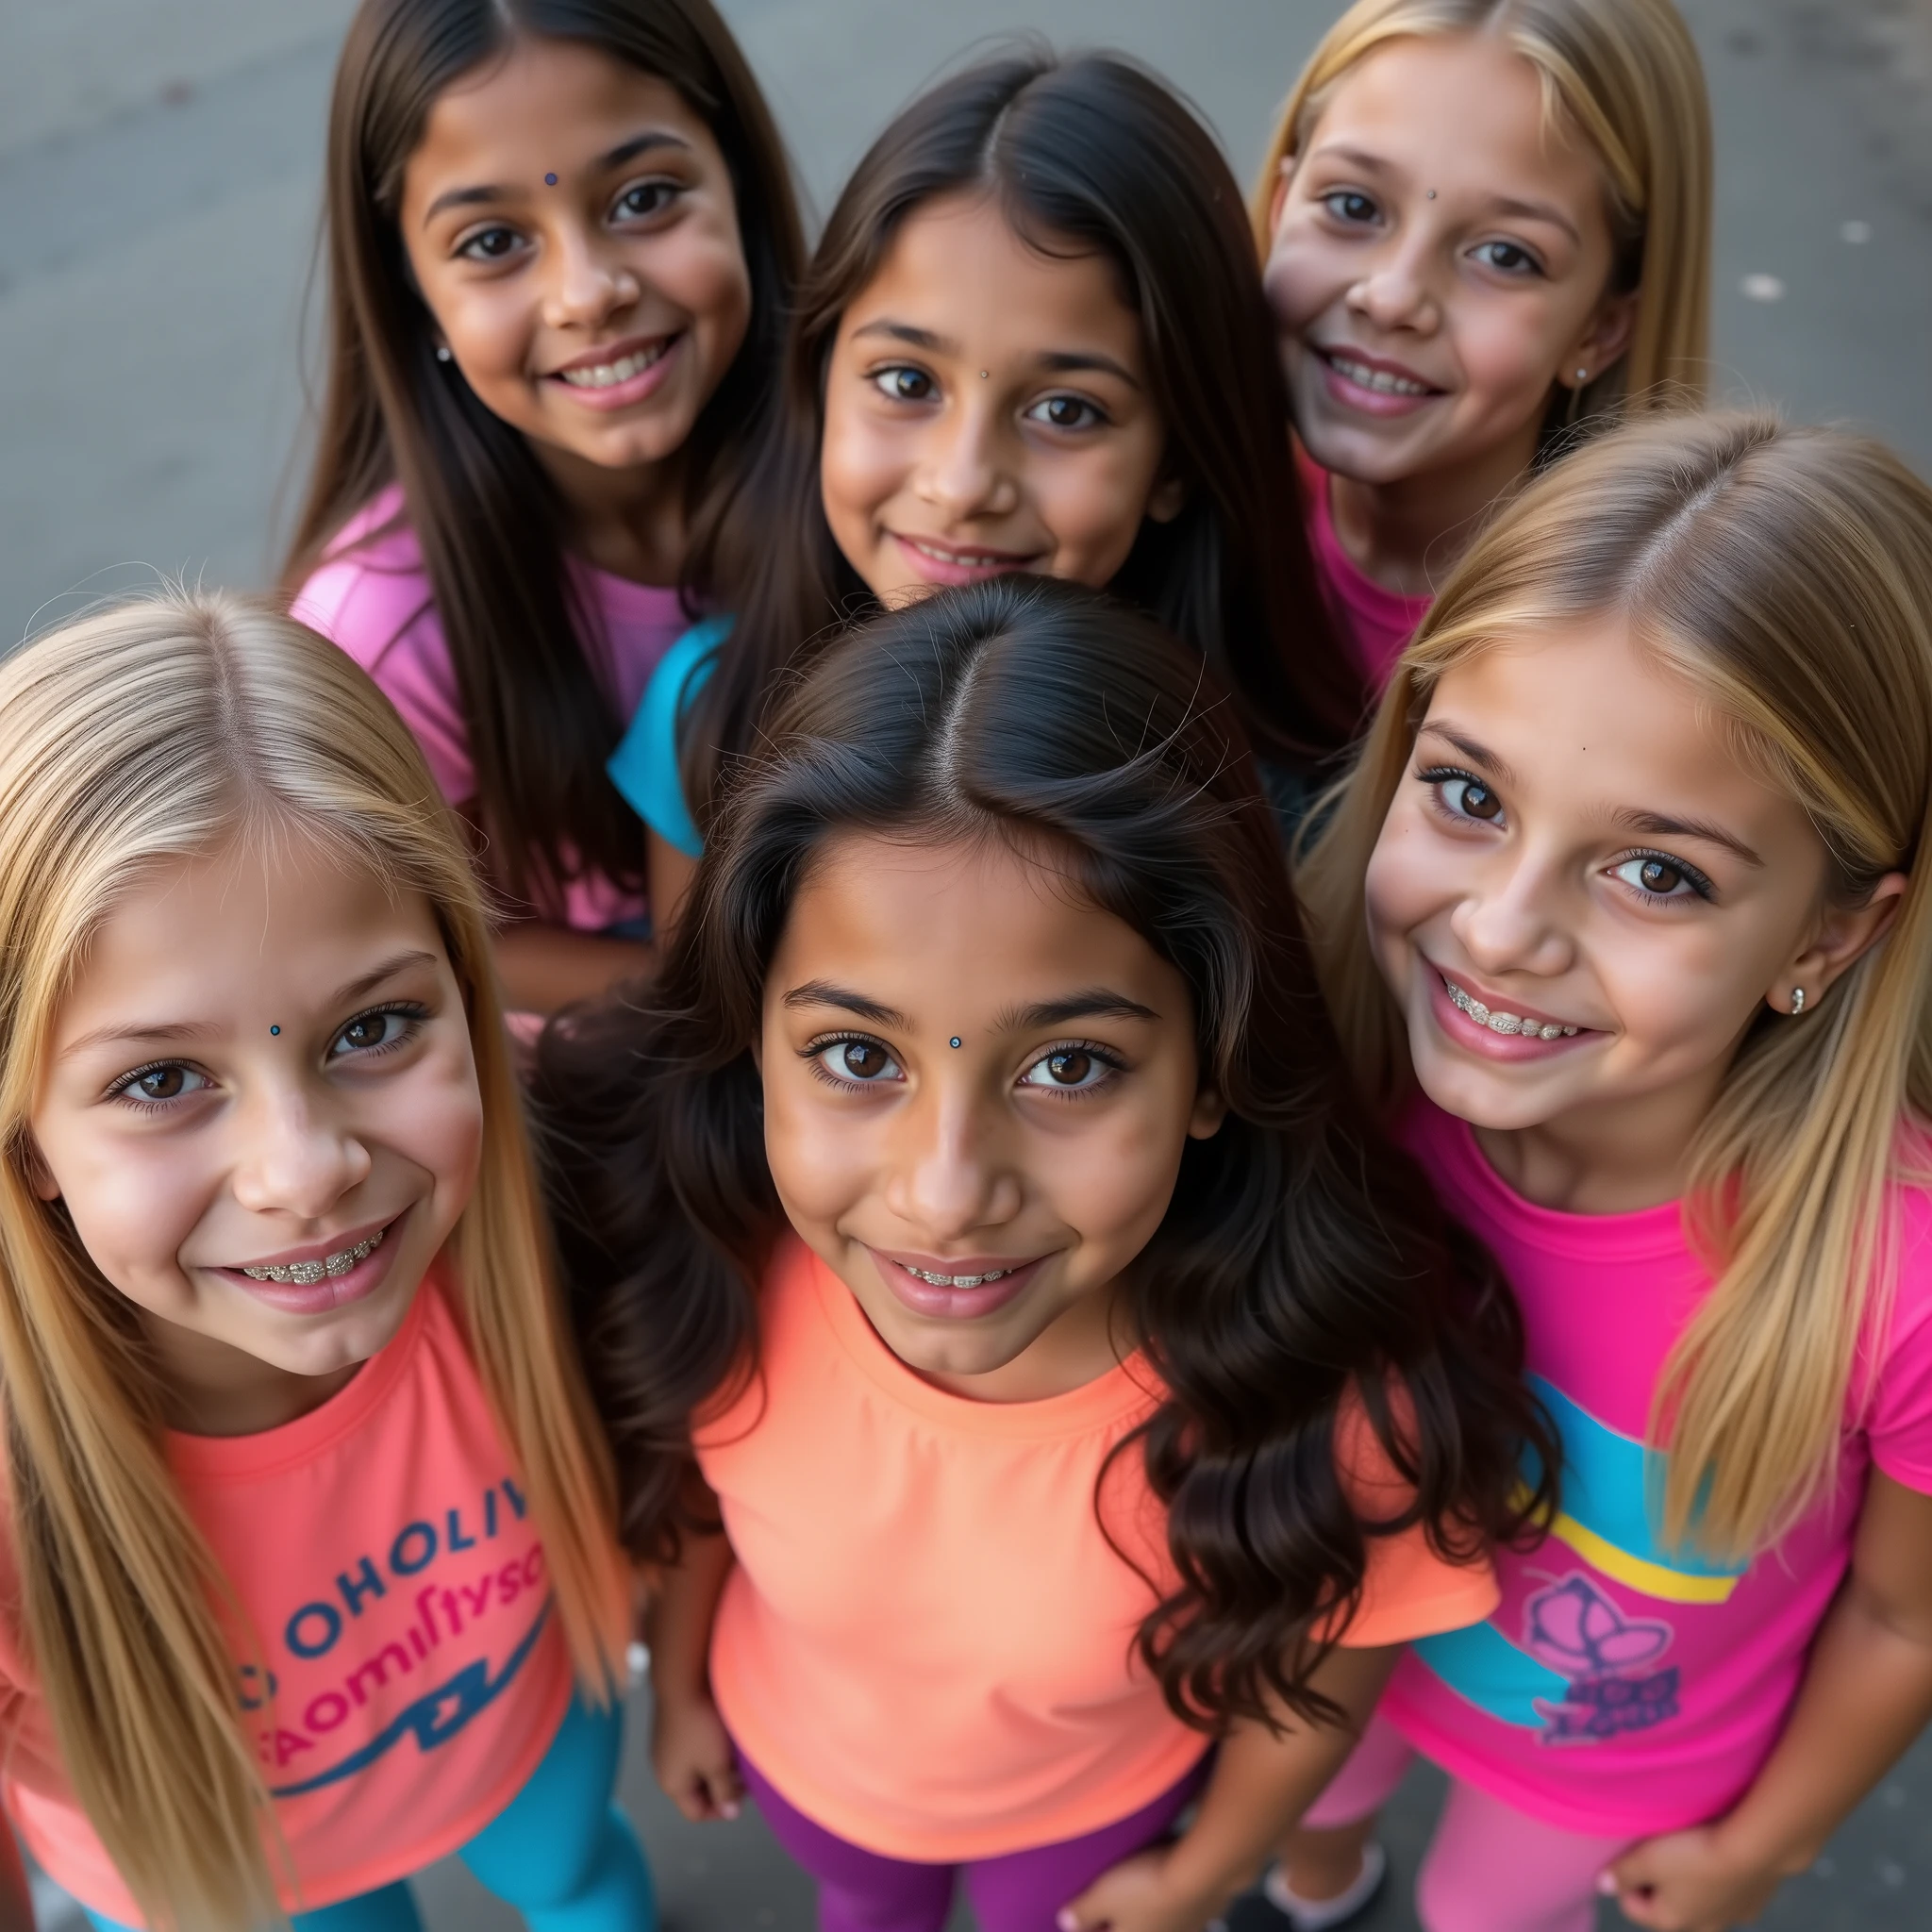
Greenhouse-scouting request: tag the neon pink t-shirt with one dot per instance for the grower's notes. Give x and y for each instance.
(927, 1642)
(381, 1546)
(1376, 622)
(1624, 1687)
(371, 595)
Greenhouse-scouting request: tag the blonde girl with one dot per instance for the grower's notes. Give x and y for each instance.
(308, 1570)
(1485, 226)
(1625, 909)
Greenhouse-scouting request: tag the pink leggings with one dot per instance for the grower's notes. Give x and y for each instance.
(1489, 1866)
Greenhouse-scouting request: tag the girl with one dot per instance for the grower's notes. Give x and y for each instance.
(1069, 1388)
(307, 1566)
(1638, 846)
(1032, 338)
(1487, 230)
(561, 237)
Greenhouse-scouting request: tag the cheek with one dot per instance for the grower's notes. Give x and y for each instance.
(860, 465)
(820, 1157)
(1508, 349)
(1113, 1179)
(1408, 878)
(1302, 278)
(434, 1122)
(1095, 505)
(706, 275)
(134, 1205)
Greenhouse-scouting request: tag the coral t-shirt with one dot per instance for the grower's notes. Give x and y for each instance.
(372, 597)
(1377, 622)
(1623, 1687)
(411, 1673)
(926, 1642)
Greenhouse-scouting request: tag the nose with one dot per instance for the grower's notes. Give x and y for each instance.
(296, 1158)
(1395, 290)
(967, 470)
(951, 1178)
(588, 283)
(1513, 920)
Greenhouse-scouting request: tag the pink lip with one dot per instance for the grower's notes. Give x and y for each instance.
(619, 395)
(952, 1304)
(1468, 1034)
(337, 1292)
(956, 570)
(1372, 402)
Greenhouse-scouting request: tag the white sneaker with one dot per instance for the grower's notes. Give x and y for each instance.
(1319, 1914)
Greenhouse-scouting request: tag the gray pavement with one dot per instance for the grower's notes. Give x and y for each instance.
(159, 185)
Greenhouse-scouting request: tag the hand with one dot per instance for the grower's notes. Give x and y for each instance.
(1690, 1881)
(691, 1752)
(1140, 1894)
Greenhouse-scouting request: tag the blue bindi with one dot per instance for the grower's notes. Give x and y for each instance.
(274, 1029)
(550, 180)
(954, 1042)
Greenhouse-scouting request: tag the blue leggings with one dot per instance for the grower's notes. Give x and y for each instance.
(561, 1851)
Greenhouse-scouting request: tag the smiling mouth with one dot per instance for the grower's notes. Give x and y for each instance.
(608, 375)
(329, 1268)
(932, 1281)
(969, 560)
(1499, 1022)
(1383, 381)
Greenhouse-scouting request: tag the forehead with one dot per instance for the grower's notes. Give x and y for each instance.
(1409, 103)
(957, 268)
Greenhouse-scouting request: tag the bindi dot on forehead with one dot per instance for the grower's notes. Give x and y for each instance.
(1430, 195)
(550, 180)
(274, 1029)
(954, 1042)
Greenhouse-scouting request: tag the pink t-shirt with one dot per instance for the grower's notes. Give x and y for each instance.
(1377, 622)
(927, 1642)
(414, 1675)
(371, 595)
(1624, 1688)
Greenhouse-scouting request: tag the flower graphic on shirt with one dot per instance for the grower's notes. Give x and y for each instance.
(1579, 1632)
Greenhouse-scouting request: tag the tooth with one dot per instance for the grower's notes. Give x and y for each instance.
(1552, 1032)
(1503, 1023)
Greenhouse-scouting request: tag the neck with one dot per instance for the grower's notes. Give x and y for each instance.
(627, 521)
(211, 1389)
(1406, 534)
(1608, 1158)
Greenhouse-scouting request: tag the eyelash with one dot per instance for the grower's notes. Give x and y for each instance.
(1104, 1056)
(123, 1088)
(1439, 775)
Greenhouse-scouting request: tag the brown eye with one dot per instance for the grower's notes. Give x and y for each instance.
(1069, 1069)
(163, 1082)
(1470, 798)
(862, 1060)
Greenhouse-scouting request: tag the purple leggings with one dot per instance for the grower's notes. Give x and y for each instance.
(1022, 1891)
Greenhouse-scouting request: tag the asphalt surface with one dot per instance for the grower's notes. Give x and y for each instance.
(158, 193)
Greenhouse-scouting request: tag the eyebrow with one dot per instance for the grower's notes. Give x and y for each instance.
(1538, 212)
(821, 992)
(160, 1031)
(612, 158)
(1054, 361)
(1661, 826)
(1090, 1003)
(1475, 751)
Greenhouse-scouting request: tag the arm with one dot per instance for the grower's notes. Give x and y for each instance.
(1262, 1782)
(1866, 1696)
(690, 1749)
(670, 873)
(543, 967)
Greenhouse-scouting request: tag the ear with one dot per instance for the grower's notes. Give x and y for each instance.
(1277, 201)
(1169, 498)
(1842, 937)
(1605, 337)
(1204, 1123)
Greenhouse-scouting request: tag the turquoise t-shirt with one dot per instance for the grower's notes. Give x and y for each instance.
(645, 766)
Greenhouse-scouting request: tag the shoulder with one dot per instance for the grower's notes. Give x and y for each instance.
(371, 593)
(1894, 1374)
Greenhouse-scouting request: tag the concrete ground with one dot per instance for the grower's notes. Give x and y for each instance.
(158, 171)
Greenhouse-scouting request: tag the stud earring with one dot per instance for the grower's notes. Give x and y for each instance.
(1583, 376)
(442, 352)
(1797, 1001)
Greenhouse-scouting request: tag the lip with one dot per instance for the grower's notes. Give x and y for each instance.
(634, 388)
(1476, 1038)
(952, 1304)
(332, 1292)
(1356, 396)
(949, 564)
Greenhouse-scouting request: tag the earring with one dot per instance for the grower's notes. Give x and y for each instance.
(1797, 1001)
(442, 352)
(1582, 376)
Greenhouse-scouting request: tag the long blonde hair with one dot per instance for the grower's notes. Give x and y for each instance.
(171, 728)
(1624, 76)
(1787, 575)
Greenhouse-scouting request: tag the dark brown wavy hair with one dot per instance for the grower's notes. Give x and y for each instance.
(1085, 156)
(1301, 1257)
(491, 523)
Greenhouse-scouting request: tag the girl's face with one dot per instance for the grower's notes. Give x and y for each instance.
(1577, 845)
(987, 409)
(1441, 258)
(571, 225)
(977, 1089)
(262, 1113)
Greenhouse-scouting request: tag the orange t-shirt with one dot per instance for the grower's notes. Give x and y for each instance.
(926, 1642)
(382, 1547)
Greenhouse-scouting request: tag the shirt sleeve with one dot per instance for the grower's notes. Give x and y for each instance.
(1409, 1590)
(1898, 1420)
(645, 766)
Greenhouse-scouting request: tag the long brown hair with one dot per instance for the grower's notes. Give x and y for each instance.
(1787, 575)
(490, 522)
(1301, 1258)
(166, 729)
(1087, 154)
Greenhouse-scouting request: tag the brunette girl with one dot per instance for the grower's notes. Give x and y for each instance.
(561, 243)
(978, 1215)
(1032, 338)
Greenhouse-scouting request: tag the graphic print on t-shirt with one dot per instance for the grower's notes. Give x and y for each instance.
(403, 1644)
